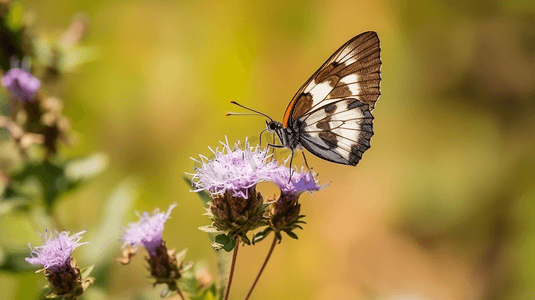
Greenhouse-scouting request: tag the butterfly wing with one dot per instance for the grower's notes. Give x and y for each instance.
(339, 132)
(333, 108)
(354, 70)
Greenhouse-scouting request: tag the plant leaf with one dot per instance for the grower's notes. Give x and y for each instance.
(291, 234)
(86, 167)
(86, 271)
(209, 229)
(261, 235)
(245, 239)
(203, 195)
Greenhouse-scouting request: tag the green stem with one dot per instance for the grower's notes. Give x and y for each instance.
(273, 244)
(180, 294)
(232, 264)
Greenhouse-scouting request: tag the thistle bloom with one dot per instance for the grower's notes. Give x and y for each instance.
(299, 182)
(234, 170)
(285, 211)
(60, 268)
(57, 250)
(230, 178)
(147, 232)
(164, 266)
(21, 84)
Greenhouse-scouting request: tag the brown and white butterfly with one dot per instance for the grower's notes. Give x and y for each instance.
(330, 115)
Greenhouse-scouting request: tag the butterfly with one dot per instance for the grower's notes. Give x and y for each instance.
(331, 114)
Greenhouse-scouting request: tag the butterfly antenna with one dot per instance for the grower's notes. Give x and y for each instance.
(255, 111)
(230, 113)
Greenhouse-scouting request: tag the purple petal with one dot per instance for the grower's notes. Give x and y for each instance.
(147, 232)
(234, 170)
(21, 84)
(57, 249)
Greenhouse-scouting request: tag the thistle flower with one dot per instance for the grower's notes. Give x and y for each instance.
(230, 178)
(21, 84)
(60, 268)
(147, 232)
(284, 213)
(165, 265)
(298, 183)
(234, 170)
(56, 252)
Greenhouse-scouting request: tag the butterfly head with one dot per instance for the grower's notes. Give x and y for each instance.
(273, 126)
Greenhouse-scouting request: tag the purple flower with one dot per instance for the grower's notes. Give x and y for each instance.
(285, 213)
(57, 250)
(234, 170)
(147, 231)
(300, 181)
(21, 84)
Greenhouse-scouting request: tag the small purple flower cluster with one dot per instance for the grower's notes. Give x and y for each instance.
(21, 84)
(60, 269)
(56, 251)
(147, 232)
(236, 170)
(236, 208)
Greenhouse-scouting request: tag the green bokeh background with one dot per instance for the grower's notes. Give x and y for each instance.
(441, 207)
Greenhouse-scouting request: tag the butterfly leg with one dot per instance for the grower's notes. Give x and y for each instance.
(273, 140)
(290, 165)
(305, 160)
(275, 146)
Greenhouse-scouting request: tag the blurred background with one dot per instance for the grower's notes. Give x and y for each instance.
(441, 207)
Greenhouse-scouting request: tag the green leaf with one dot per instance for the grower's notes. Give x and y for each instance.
(86, 167)
(204, 195)
(187, 266)
(50, 178)
(223, 266)
(209, 229)
(209, 296)
(227, 241)
(245, 239)
(278, 235)
(7, 206)
(166, 293)
(291, 234)
(54, 179)
(265, 205)
(222, 239)
(51, 295)
(216, 246)
(206, 294)
(181, 255)
(15, 263)
(114, 211)
(77, 56)
(261, 235)
(14, 18)
(86, 271)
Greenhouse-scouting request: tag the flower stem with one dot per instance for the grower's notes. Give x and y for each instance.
(179, 293)
(273, 244)
(232, 264)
